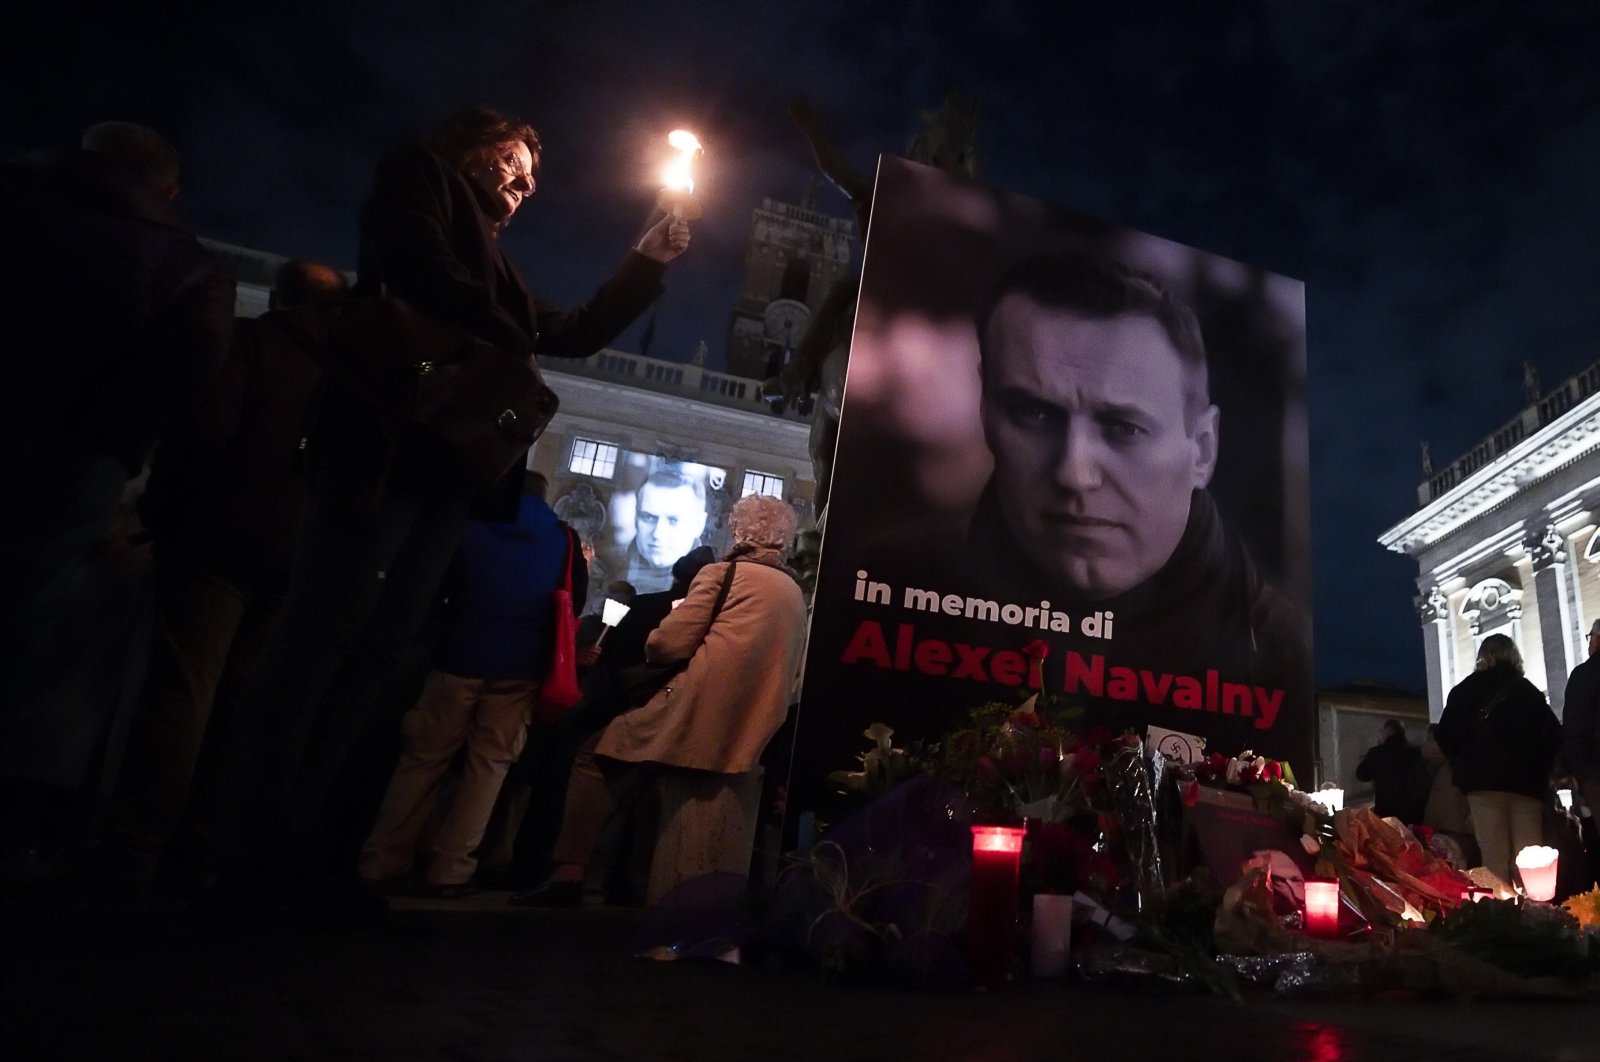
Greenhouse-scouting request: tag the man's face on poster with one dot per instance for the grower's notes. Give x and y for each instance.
(669, 521)
(1097, 442)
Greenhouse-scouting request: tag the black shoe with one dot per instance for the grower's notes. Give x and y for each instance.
(551, 894)
(458, 891)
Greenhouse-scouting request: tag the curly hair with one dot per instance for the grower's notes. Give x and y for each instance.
(762, 520)
(470, 137)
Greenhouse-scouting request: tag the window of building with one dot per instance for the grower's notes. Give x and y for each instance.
(591, 458)
(762, 483)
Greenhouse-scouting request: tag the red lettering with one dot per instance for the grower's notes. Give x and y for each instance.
(867, 644)
(1008, 667)
(971, 663)
(1089, 674)
(933, 657)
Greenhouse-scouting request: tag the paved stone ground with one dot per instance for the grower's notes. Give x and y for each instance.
(476, 979)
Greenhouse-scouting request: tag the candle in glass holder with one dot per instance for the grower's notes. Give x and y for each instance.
(1330, 797)
(992, 908)
(1537, 865)
(1322, 908)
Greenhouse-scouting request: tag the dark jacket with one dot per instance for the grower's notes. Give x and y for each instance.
(1580, 722)
(224, 486)
(1499, 734)
(1400, 779)
(113, 318)
(499, 621)
(1206, 609)
(425, 239)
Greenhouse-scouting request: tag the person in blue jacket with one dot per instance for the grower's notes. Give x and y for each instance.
(481, 692)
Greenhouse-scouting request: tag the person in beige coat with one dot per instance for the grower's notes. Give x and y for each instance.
(704, 731)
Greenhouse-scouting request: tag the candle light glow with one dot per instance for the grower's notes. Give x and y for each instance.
(992, 908)
(677, 182)
(1537, 865)
(1322, 908)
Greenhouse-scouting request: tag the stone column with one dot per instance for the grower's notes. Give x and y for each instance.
(1434, 612)
(1557, 613)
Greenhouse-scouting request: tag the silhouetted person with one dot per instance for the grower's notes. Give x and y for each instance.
(480, 696)
(113, 320)
(1399, 777)
(1501, 738)
(223, 504)
(387, 502)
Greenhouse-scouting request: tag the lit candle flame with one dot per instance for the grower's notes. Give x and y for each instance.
(676, 175)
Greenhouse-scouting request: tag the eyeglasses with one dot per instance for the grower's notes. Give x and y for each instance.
(510, 164)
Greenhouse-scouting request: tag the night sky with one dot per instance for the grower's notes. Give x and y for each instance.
(1430, 170)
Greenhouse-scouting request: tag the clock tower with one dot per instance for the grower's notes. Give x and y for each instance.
(794, 256)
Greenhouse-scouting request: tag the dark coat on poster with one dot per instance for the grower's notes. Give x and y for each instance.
(114, 318)
(1499, 734)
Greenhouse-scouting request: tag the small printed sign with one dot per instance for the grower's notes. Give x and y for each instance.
(1185, 748)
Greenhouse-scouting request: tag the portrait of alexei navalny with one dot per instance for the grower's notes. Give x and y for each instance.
(1061, 431)
(1096, 408)
(665, 516)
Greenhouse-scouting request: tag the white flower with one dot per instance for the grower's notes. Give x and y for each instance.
(880, 734)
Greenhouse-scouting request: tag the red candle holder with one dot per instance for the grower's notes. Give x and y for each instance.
(1322, 908)
(992, 910)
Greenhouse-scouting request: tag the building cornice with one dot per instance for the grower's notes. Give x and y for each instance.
(1558, 444)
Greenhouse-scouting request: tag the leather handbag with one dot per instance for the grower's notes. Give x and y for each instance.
(486, 404)
(640, 682)
(559, 692)
(487, 409)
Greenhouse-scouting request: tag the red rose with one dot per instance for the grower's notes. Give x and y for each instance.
(1099, 736)
(1086, 761)
(1035, 650)
(1248, 773)
(1273, 771)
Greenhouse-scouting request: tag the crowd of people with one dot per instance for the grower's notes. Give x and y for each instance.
(317, 557)
(1485, 777)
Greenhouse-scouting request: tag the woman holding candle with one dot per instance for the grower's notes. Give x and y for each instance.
(385, 504)
(1500, 737)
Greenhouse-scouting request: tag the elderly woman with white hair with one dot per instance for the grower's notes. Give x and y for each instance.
(705, 730)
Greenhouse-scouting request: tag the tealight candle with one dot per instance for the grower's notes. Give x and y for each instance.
(1537, 865)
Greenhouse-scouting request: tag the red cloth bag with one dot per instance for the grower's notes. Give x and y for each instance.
(559, 692)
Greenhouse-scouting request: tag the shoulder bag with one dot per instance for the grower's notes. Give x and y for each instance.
(640, 682)
(559, 691)
(485, 403)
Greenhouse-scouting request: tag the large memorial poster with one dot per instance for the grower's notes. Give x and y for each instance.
(1071, 456)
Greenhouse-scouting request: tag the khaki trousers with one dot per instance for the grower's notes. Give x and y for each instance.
(1505, 824)
(489, 717)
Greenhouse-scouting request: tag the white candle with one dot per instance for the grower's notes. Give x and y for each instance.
(1537, 865)
(1052, 934)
